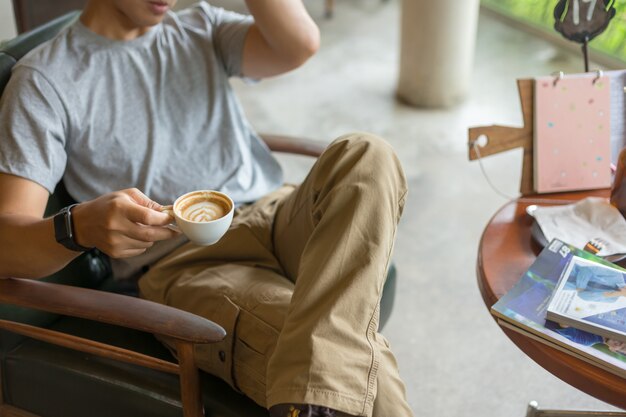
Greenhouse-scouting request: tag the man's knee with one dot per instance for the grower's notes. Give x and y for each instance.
(363, 142)
(370, 158)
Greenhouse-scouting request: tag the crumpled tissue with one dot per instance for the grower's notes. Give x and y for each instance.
(577, 224)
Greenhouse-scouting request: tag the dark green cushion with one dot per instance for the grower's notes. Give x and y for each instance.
(389, 295)
(24, 43)
(6, 63)
(51, 381)
(67, 383)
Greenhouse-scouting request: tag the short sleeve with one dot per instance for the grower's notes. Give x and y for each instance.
(33, 125)
(228, 32)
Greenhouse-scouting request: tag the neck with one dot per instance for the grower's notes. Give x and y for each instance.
(107, 20)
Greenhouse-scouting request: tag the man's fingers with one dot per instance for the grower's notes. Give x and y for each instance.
(122, 246)
(142, 199)
(147, 216)
(149, 233)
(130, 253)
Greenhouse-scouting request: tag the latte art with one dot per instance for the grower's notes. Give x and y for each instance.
(204, 211)
(203, 207)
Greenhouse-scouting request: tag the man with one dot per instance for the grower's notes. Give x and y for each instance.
(134, 97)
(596, 283)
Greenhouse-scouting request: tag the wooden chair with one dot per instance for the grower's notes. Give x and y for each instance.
(70, 347)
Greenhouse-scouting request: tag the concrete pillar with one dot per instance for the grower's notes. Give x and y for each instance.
(437, 51)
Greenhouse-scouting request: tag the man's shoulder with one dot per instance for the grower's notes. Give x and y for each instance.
(202, 15)
(48, 57)
(199, 9)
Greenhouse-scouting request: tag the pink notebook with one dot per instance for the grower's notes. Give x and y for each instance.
(572, 144)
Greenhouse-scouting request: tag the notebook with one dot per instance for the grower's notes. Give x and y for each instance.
(572, 142)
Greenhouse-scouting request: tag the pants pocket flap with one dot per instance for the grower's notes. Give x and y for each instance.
(217, 358)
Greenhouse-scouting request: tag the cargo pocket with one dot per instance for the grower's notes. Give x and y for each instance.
(255, 341)
(217, 358)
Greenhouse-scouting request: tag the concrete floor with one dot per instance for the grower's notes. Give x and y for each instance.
(453, 357)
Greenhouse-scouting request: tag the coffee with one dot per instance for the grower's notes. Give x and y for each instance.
(203, 206)
(203, 216)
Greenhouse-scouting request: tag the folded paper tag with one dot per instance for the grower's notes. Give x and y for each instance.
(577, 224)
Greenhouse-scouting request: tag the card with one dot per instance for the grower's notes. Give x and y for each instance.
(572, 143)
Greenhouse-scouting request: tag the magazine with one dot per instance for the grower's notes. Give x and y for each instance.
(525, 307)
(558, 347)
(592, 297)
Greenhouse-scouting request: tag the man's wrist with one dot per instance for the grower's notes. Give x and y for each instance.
(78, 223)
(65, 232)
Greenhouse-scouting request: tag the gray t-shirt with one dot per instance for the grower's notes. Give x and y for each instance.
(156, 112)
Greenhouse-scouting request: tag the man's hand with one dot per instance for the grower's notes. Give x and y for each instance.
(121, 224)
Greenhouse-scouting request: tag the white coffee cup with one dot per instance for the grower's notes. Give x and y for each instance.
(203, 216)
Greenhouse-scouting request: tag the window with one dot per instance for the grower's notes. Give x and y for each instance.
(539, 15)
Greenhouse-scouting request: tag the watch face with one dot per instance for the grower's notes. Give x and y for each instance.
(67, 223)
(63, 231)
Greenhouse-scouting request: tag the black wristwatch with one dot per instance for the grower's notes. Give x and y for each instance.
(64, 230)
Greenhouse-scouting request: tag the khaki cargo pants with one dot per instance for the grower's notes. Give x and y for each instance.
(296, 283)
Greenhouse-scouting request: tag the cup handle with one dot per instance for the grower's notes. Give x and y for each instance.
(170, 210)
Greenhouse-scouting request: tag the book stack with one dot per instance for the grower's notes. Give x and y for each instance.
(573, 301)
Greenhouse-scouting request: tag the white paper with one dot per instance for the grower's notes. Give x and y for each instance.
(577, 224)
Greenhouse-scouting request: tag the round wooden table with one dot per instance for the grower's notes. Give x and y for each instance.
(506, 251)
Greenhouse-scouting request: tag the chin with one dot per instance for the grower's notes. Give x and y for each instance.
(144, 13)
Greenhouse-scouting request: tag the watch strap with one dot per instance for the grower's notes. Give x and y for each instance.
(64, 230)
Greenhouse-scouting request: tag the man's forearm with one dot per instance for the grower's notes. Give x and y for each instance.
(29, 249)
(286, 27)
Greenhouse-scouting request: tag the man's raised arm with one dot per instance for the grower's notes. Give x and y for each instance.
(282, 38)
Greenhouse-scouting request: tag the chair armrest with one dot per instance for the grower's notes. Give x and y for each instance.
(288, 144)
(111, 308)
